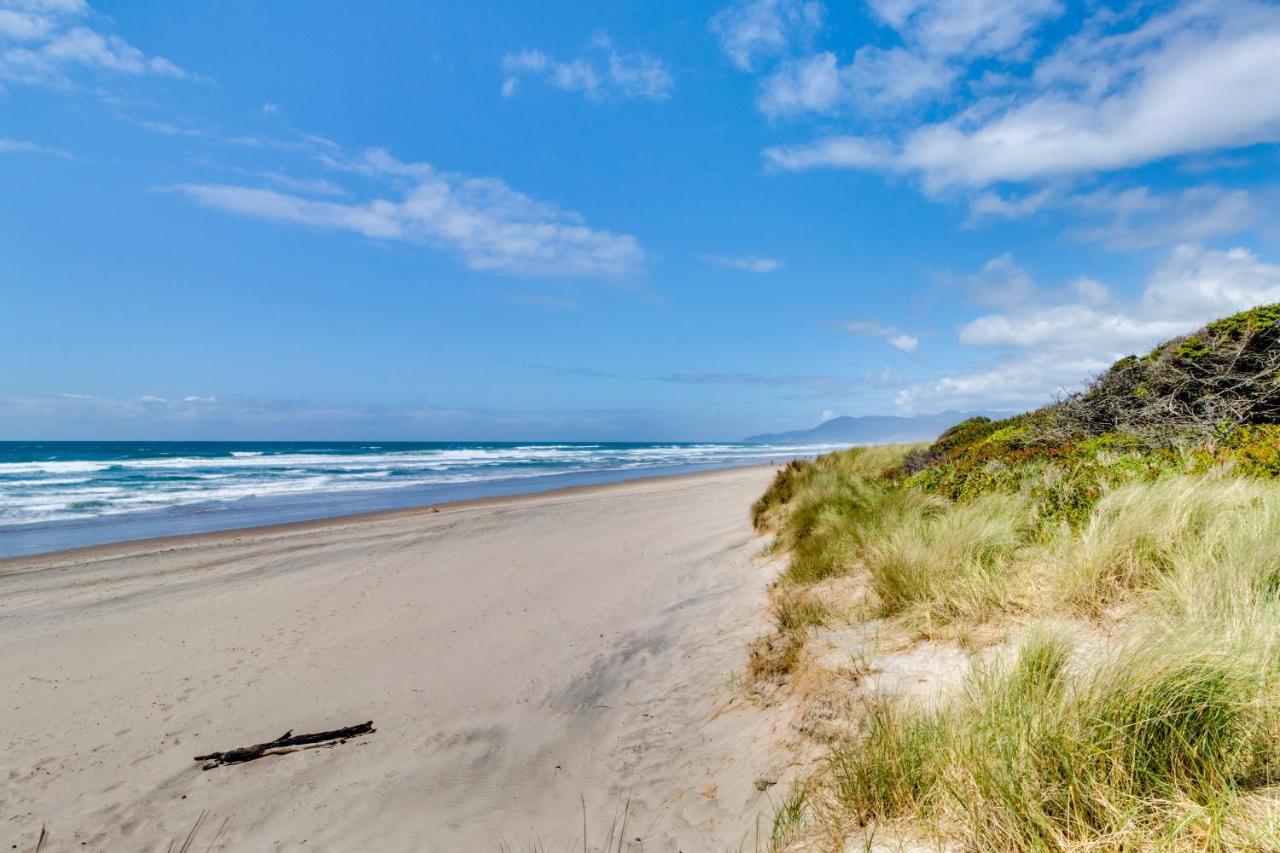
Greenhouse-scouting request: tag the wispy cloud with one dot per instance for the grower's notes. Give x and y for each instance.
(746, 263)
(44, 42)
(485, 222)
(1137, 217)
(799, 386)
(794, 386)
(894, 336)
(763, 29)
(234, 416)
(311, 186)
(23, 146)
(602, 73)
(875, 80)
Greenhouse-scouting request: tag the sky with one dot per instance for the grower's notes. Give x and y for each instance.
(609, 220)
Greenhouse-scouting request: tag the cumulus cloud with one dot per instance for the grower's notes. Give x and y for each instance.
(895, 337)
(487, 223)
(1055, 342)
(760, 29)
(746, 263)
(1194, 78)
(43, 42)
(601, 74)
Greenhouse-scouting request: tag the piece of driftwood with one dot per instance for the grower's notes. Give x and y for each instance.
(286, 743)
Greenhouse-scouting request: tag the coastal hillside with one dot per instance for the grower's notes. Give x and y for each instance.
(867, 429)
(1057, 631)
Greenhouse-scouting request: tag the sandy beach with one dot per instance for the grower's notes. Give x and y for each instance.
(519, 658)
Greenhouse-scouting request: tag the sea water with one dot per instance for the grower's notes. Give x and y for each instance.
(67, 494)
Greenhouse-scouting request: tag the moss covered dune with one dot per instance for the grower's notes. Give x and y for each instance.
(1108, 570)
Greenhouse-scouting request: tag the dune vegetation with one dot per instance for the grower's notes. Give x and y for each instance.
(1109, 567)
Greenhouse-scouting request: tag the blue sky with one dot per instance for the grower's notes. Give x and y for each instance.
(613, 220)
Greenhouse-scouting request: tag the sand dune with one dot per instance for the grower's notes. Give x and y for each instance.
(518, 657)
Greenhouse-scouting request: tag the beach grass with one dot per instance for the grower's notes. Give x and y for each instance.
(1115, 588)
(1164, 736)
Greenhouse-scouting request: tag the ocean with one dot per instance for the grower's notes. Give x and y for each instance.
(56, 495)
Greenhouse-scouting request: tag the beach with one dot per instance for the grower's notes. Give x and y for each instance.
(529, 663)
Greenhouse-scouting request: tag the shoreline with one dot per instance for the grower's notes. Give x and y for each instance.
(123, 547)
(526, 660)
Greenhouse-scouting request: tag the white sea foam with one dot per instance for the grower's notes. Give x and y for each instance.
(50, 491)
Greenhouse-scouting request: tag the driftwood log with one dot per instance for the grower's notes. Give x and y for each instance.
(286, 743)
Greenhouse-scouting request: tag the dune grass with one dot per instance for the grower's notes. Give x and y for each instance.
(1157, 745)
(823, 512)
(1160, 732)
(1111, 562)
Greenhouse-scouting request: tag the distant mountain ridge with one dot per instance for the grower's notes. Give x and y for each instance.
(869, 429)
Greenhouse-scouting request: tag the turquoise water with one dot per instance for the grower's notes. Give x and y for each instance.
(67, 494)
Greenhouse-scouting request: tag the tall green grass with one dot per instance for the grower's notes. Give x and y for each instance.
(949, 562)
(1142, 535)
(1155, 745)
(1162, 731)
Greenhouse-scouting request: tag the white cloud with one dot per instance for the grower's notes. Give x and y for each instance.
(1060, 340)
(973, 28)
(602, 74)
(906, 343)
(1138, 217)
(1192, 79)
(938, 38)
(995, 205)
(168, 128)
(270, 108)
(488, 224)
(834, 151)
(1001, 282)
(746, 263)
(43, 41)
(22, 146)
(311, 186)
(1197, 284)
(812, 84)
(759, 29)
(896, 338)
(876, 80)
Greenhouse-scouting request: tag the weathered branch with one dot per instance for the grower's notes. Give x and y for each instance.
(286, 743)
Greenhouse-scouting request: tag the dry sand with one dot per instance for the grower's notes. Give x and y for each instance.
(517, 656)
